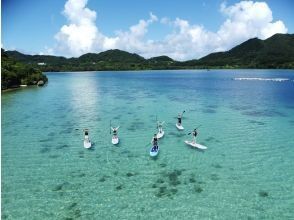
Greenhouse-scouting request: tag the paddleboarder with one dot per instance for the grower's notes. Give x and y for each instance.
(159, 126)
(155, 142)
(194, 134)
(114, 131)
(179, 118)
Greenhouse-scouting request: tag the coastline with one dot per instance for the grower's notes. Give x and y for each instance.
(18, 88)
(163, 70)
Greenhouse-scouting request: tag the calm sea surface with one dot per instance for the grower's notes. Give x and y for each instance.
(247, 172)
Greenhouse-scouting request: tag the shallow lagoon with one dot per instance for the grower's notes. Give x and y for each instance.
(246, 172)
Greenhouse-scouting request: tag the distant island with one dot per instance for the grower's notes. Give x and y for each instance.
(274, 52)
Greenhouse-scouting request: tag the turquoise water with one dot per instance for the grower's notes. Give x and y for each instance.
(246, 172)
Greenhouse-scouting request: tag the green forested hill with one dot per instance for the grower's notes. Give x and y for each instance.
(274, 52)
(15, 73)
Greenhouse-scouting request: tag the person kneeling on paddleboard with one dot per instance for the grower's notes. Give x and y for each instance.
(155, 142)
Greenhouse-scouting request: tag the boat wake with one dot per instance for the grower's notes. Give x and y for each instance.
(263, 79)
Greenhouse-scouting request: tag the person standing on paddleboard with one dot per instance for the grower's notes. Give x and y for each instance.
(194, 134)
(86, 138)
(114, 131)
(180, 118)
(155, 142)
(159, 126)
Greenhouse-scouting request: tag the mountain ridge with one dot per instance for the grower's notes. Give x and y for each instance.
(274, 52)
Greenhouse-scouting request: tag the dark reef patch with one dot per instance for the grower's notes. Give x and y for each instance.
(119, 187)
(212, 139)
(240, 107)
(173, 191)
(256, 122)
(209, 139)
(198, 189)
(77, 213)
(160, 181)
(130, 174)
(66, 131)
(162, 165)
(46, 140)
(212, 106)
(208, 110)
(216, 165)
(181, 135)
(263, 113)
(162, 191)
(102, 179)
(81, 154)
(263, 193)
(51, 134)
(192, 179)
(172, 133)
(60, 187)
(214, 177)
(117, 117)
(136, 125)
(72, 205)
(45, 150)
(62, 146)
(53, 156)
(173, 177)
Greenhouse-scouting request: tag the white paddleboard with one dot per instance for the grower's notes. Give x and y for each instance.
(115, 140)
(160, 135)
(153, 153)
(180, 127)
(87, 144)
(194, 144)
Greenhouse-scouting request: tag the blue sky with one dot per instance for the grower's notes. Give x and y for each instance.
(204, 26)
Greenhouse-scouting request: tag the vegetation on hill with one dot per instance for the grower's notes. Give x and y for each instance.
(14, 73)
(274, 52)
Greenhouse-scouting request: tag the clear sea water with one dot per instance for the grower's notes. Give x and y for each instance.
(247, 172)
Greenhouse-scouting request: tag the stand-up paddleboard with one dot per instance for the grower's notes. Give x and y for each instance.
(179, 126)
(87, 143)
(194, 144)
(115, 140)
(160, 134)
(153, 152)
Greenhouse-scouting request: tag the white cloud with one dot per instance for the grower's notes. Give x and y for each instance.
(248, 19)
(244, 20)
(80, 35)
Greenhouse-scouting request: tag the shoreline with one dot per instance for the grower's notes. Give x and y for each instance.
(207, 70)
(18, 88)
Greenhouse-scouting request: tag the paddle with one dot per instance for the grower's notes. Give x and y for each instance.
(183, 113)
(110, 127)
(194, 129)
